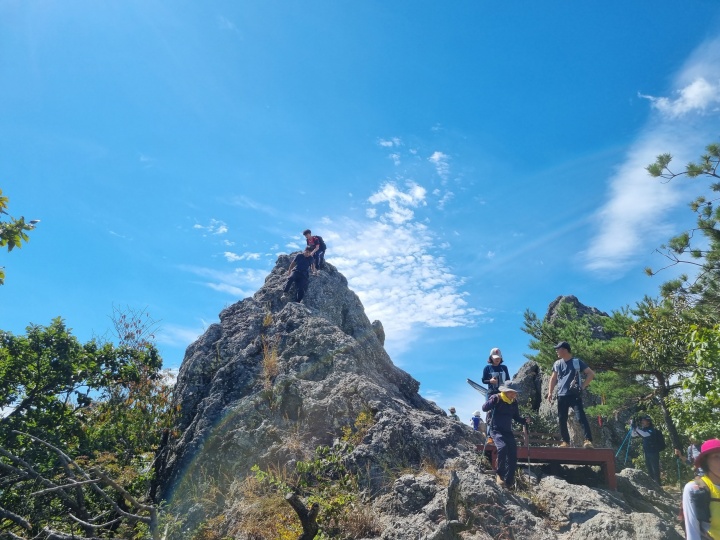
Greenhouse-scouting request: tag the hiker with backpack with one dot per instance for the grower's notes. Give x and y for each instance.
(701, 496)
(566, 372)
(653, 443)
(504, 409)
(298, 274)
(317, 245)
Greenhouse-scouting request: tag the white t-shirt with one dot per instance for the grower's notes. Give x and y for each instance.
(692, 526)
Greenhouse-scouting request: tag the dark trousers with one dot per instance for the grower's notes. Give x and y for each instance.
(652, 460)
(506, 454)
(319, 259)
(564, 404)
(301, 284)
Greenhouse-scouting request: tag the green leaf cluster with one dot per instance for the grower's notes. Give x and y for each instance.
(12, 231)
(104, 405)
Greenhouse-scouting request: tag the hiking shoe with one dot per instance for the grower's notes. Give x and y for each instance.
(563, 445)
(500, 482)
(587, 444)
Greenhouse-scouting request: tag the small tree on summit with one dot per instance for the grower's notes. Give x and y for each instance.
(12, 231)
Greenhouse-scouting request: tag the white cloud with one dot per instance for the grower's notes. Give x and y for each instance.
(637, 208)
(234, 257)
(214, 227)
(395, 158)
(700, 96)
(391, 263)
(390, 143)
(490, 254)
(442, 166)
(400, 202)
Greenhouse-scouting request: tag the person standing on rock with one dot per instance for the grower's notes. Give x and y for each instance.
(317, 245)
(701, 496)
(453, 414)
(504, 409)
(653, 443)
(298, 274)
(691, 454)
(566, 376)
(495, 373)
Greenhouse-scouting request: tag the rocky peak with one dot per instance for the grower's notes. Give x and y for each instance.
(273, 380)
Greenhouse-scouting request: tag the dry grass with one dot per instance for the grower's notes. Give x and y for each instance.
(269, 361)
(268, 318)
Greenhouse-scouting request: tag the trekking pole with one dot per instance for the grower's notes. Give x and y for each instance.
(629, 433)
(627, 452)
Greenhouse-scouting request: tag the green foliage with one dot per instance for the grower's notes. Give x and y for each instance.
(602, 342)
(104, 405)
(12, 232)
(698, 247)
(364, 421)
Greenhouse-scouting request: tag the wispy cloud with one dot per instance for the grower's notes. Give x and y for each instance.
(214, 227)
(234, 257)
(637, 207)
(441, 162)
(178, 336)
(226, 24)
(391, 261)
(241, 282)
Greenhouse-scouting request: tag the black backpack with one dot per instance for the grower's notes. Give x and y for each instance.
(322, 243)
(658, 440)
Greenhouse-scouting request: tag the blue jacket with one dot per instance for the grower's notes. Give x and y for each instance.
(503, 413)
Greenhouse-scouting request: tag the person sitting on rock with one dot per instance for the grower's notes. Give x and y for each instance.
(505, 409)
(298, 274)
(476, 420)
(453, 415)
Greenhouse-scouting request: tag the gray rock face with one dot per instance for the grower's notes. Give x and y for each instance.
(273, 380)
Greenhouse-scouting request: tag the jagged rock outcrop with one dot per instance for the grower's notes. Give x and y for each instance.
(274, 379)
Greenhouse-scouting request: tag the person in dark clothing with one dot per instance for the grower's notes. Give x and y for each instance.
(566, 376)
(317, 245)
(298, 274)
(653, 443)
(495, 373)
(505, 409)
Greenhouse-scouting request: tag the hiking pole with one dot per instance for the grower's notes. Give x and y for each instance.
(627, 452)
(629, 433)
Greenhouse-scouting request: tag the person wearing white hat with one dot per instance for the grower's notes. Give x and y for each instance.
(495, 373)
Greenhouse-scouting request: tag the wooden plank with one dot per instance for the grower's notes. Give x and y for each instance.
(604, 457)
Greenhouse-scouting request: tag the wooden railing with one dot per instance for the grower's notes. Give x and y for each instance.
(543, 448)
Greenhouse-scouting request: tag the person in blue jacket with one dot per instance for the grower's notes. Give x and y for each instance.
(505, 409)
(495, 373)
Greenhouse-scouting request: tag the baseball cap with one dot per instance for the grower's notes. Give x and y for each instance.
(563, 345)
(495, 353)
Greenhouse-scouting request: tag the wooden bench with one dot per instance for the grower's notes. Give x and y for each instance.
(543, 449)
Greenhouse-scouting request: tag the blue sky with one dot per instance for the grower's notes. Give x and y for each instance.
(463, 162)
